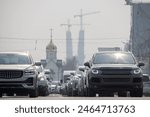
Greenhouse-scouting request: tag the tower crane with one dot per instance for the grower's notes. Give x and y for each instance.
(67, 24)
(81, 36)
(84, 14)
(69, 48)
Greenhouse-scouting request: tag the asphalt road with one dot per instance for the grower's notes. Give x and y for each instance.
(60, 97)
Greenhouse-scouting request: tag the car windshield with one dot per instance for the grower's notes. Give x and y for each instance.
(114, 58)
(47, 72)
(14, 59)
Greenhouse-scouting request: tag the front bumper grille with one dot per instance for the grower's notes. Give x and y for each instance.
(16, 84)
(10, 74)
(116, 71)
(110, 80)
(121, 80)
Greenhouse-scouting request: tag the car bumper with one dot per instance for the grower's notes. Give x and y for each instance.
(19, 83)
(115, 83)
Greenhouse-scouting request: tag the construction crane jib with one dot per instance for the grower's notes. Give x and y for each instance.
(84, 14)
(68, 24)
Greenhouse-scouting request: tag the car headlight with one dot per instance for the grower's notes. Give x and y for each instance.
(30, 71)
(137, 71)
(95, 71)
(42, 79)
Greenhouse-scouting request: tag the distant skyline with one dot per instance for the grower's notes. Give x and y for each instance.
(22, 22)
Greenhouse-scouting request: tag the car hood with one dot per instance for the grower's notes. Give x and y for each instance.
(111, 66)
(14, 67)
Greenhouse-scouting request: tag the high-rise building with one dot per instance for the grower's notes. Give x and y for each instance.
(80, 56)
(69, 52)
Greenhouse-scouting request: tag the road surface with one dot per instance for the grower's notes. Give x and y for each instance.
(60, 97)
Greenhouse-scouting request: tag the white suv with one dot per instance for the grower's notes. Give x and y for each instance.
(18, 74)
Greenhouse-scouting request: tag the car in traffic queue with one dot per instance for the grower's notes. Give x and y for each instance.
(74, 85)
(65, 81)
(114, 71)
(55, 87)
(43, 83)
(69, 86)
(18, 74)
(47, 74)
(67, 74)
(81, 73)
(64, 86)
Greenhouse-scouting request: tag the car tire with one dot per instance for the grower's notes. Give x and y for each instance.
(34, 93)
(122, 94)
(90, 92)
(46, 93)
(1, 94)
(137, 93)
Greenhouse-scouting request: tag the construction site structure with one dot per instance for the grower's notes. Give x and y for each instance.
(140, 31)
(80, 51)
(69, 47)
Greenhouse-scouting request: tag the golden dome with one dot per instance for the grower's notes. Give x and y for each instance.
(51, 46)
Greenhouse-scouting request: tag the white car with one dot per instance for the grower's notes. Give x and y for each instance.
(42, 81)
(18, 74)
(47, 74)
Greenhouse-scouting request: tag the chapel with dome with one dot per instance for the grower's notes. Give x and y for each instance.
(52, 63)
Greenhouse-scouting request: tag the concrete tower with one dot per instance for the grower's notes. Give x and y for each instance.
(81, 48)
(69, 52)
(69, 47)
(81, 55)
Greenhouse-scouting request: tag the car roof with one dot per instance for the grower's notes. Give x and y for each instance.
(67, 72)
(113, 52)
(15, 52)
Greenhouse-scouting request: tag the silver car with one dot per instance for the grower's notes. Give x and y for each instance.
(18, 74)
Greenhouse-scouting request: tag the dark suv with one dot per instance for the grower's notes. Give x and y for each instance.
(18, 74)
(111, 72)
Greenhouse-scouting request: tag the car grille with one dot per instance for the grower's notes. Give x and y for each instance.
(95, 80)
(116, 80)
(116, 71)
(10, 74)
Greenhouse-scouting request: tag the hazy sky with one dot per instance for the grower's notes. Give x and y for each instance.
(22, 22)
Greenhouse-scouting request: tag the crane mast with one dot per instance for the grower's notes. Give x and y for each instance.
(81, 17)
(81, 55)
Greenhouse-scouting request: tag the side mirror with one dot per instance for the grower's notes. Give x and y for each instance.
(82, 68)
(87, 64)
(48, 79)
(79, 76)
(38, 63)
(72, 73)
(141, 64)
(145, 77)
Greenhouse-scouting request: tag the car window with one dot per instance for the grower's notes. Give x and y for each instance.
(113, 58)
(14, 59)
